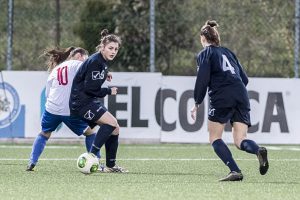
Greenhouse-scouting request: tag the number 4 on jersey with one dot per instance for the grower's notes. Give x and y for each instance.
(226, 65)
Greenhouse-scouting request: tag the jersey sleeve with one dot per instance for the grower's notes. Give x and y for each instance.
(48, 85)
(95, 76)
(203, 77)
(243, 74)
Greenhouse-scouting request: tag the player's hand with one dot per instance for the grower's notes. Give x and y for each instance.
(194, 112)
(114, 90)
(109, 77)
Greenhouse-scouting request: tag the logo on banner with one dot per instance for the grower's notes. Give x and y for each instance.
(9, 104)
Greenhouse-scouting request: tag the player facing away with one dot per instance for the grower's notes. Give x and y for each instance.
(220, 72)
(86, 94)
(62, 65)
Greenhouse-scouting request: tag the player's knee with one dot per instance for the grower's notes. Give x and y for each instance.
(117, 130)
(213, 138)
(46, 134)
(88, 131)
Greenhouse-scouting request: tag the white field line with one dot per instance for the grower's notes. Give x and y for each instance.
(152, 159)
(275, 148)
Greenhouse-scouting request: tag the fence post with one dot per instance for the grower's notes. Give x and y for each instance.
(10, 21)
(152, 36)
(297, 27)
(57, 23)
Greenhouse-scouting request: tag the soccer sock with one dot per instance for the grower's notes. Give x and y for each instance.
(38, 148)
(89, 139)
(249, 146)
(225, 155)
(102, 136)
(111, 148)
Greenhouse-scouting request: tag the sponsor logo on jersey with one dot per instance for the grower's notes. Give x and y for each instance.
(96, 75)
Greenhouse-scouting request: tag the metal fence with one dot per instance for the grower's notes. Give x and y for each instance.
(261, 32)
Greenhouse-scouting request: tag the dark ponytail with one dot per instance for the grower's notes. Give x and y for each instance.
(55, 56)
(210, 32)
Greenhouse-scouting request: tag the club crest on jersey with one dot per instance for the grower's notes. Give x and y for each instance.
(97, 75)
(89, 115)
(211, 112)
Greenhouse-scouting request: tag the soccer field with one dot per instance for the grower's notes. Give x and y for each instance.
(166, 171)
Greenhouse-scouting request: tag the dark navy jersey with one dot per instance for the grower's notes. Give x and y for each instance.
(88, 81)
(220, 72)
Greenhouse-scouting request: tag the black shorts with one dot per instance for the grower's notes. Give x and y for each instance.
(234, 114)
(92, 112)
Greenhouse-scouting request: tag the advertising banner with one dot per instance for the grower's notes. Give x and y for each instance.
(151, 107)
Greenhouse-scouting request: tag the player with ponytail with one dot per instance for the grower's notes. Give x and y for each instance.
(220, 72)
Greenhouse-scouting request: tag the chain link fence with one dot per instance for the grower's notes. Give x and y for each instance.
(260, 32)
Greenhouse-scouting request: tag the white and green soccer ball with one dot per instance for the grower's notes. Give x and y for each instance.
(87, 163)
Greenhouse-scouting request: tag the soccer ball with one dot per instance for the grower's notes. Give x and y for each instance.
(87, 163)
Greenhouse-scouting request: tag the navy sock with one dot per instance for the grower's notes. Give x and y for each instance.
(102, 136)
(249, 146)
(111, 148)
(225, 155)
(89, 139)
(38, 148)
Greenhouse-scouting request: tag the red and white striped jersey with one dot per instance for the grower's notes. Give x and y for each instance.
(59, 86)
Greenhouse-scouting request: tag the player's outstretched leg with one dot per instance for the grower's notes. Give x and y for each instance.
(262, 156)
(102, 136)
(261, 152)
(37, 149)
(89, 139)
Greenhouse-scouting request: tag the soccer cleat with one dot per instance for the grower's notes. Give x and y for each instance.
(115, 169)
(30, 167)
(233, 176)
(262, 156)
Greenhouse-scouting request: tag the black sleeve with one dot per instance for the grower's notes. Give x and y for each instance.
(104, 92)
(243, 74)
(94, 78)
(203, 77)
(241, 70)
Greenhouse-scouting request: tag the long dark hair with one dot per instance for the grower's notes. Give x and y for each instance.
(55, 56)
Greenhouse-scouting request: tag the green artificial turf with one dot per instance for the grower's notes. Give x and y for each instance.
(165, 171)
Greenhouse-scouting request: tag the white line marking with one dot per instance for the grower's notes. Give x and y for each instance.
(29, 147)
(274, 148)
(153, 159)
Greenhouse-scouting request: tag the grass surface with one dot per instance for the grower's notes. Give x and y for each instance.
(180, 171)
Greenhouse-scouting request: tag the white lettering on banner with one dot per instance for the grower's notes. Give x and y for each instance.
(152, 106)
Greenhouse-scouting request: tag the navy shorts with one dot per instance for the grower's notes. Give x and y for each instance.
(232, 114)
(92, 112)
(50, 122)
